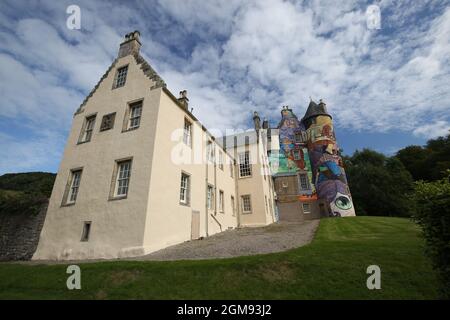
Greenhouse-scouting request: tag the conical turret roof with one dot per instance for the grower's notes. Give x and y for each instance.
(315, 110)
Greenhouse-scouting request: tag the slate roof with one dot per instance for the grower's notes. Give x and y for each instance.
(315, 109)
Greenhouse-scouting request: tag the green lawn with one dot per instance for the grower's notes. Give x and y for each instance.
(333, 266)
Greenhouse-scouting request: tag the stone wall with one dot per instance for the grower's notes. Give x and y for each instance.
(19, 234)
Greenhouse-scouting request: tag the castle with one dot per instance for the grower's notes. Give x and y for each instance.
(140, 172)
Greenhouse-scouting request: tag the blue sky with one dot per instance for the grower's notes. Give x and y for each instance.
(385, 88)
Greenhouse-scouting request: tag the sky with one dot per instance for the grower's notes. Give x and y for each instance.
(386, 88)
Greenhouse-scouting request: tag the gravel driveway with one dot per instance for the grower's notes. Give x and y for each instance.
(241, 242)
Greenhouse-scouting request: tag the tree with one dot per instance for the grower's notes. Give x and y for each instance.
(380, 186)
(427, 163)
(432, 201)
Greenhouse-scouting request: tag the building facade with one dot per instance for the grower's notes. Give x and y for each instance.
(139, 172)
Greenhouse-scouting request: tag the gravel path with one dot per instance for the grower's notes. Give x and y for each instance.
(240, 242)
(276, 237)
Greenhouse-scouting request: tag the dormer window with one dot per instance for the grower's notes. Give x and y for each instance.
(121, 77)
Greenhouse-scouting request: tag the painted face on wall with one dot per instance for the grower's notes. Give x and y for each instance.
(342, 206)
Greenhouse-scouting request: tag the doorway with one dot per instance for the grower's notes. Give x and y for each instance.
(195, 225)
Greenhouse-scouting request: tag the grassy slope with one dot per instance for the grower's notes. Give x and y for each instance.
(332, 267)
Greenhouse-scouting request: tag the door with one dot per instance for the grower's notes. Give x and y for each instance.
(195, 225)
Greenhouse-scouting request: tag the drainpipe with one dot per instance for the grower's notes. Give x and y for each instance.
(236, 177)
(215, 182)
(206, 189)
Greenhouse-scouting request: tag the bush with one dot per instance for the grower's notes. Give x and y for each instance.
(432, 201)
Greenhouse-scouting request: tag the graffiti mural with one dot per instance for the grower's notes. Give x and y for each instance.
(327, 166)
(308, 147)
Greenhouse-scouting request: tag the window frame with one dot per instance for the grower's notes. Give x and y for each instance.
(187, 132)
(233, 206)
(210, 197)
(243, 197)
(308, 211)
(116, 77)
(113, 120)
(221, 160)
(221, 201)
(306, 181)
(85, 128)
(186, 188)
(66, 201)
(85, 234)
(113, 193)
(246, 166)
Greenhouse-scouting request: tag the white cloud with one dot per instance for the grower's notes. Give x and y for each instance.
(234, 57)
(437, 129)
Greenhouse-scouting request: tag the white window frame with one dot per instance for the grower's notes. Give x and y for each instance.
(187, 133)
(134, 118)
(221, 160)
(246, 204)
(210, 197)
(75, 179)
(221, 201)
(185, 188)
(122, 183)
(210, 151)
(88, 128)
(245, 166)
(233, 206)
(121, 77)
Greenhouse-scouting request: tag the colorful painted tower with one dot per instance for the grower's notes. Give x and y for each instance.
(307, 169)
(327, 166)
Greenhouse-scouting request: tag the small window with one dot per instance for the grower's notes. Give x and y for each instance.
(108, 121)
(135, 115)
(210, 199)
(74, 186)
(245, 169)
(121, 77)
(221, 201)
(86, 231)
(88, 128)
(297, 155)
(246, 204)
(210, 151)
(221, 160)
(304, 183)
(123, 178)
(298, 137)
(306, 207)
(185, 189)
(187, 135)
(233, 207)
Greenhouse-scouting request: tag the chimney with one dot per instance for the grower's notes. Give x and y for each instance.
(183, 99)
(323, 105)
(265, 124)
(130, 45)
(257, 121)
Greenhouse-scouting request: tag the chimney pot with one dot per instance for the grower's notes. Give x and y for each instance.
(183, 99)
(130, 45)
